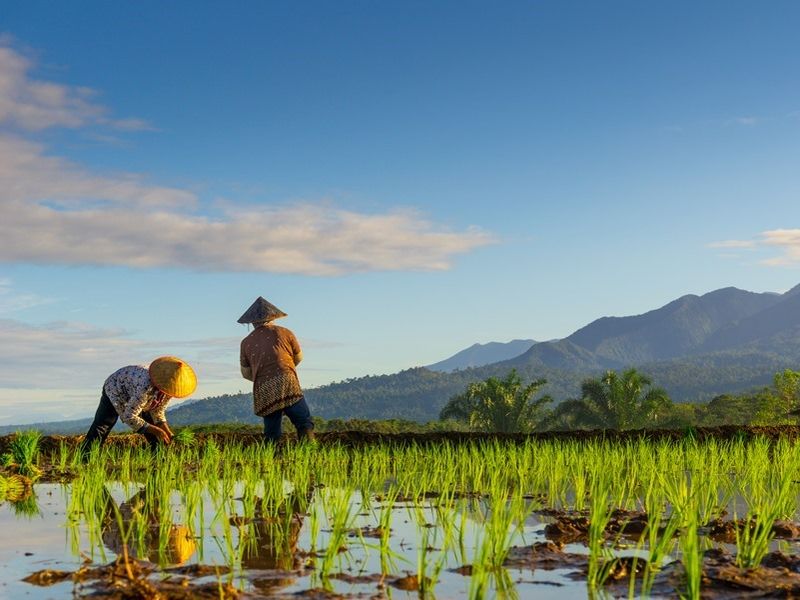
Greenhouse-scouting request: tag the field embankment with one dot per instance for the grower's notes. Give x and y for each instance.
(358, 438)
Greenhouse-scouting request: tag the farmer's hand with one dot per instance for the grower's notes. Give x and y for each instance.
(166, 428)
(159, 434)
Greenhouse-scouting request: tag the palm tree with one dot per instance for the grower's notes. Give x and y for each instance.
(614, 401)
(501, 405)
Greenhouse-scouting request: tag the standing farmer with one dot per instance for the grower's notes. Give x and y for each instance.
(139, 395)
(269, 356)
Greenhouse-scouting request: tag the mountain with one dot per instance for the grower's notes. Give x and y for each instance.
(677, 329)
(478, 355)
(696, 347)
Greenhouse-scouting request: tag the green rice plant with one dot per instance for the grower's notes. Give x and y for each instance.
(692, 558)
(24, 450)
(184, 437)
(340, 513)
(753, 537)
(600, 557)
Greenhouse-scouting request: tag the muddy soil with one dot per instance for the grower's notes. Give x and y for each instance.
(121, 579)
(358, 438)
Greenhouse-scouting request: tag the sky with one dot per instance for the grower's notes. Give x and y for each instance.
(404, 179)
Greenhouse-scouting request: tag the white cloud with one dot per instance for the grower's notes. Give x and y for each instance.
(55, 371)
(788, 240)
(69, 355)
(33, 105)
(733, 244)
(746, 121)
(12, 300)
(53, 211)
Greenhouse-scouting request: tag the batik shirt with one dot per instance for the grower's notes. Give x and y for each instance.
(269, 353)
(132, 393)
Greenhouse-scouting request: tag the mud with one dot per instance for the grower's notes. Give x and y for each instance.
(778, 576)
(51, 443)
(125, 579)
(721, 530)
(571, 526)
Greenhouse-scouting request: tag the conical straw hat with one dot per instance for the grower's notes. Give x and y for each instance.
(173, 376)
(261, 310)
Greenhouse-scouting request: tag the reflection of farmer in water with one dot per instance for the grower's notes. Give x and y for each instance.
(119, 525)
(139, 396)
(269, 356)
(270, 543)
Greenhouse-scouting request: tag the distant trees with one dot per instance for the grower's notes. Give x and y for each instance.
(779, 404)
(614, 401)
(500, 405)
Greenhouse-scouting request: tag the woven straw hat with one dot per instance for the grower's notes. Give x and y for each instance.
(260, 311)
(173, 376)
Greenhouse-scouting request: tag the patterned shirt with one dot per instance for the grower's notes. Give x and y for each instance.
(269, 352)
(132, 393)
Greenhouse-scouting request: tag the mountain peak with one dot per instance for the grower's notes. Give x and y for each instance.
(793, 292)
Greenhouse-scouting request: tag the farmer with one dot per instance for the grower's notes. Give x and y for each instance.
(268, 358)
(139, 395)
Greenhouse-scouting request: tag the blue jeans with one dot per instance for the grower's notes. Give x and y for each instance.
(104, 420)
(298, 414)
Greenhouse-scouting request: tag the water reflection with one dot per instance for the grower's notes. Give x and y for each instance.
(269, 541)
(143, 529)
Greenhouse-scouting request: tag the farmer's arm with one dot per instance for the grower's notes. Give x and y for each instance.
(244, 364)
(297, 353)
(159, 415)
(131, 408)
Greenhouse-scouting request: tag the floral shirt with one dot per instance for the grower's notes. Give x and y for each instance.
(132, 393)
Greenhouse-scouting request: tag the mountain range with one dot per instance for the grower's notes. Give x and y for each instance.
(478, 355)
(696, 347)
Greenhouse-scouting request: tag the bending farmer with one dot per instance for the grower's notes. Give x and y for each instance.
(269, 356)
(139, 396)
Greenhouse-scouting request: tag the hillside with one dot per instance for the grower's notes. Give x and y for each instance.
(478, 355)
(696, 347)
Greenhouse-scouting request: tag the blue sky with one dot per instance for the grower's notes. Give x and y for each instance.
(403, 179)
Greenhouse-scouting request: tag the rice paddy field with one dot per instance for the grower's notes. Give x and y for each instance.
(592, 517)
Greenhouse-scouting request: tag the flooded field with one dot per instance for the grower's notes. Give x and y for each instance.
(536, 518)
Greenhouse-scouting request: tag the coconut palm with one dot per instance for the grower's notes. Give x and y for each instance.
(501, 405)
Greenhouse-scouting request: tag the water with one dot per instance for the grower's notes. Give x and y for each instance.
(266, 558)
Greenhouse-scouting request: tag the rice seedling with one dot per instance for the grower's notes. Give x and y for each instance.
(466, 504)
(184, 437)
(24, 451)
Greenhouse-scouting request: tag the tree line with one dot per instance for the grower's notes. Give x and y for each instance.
(615, 400)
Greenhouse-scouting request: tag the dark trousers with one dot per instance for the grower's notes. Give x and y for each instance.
(104, 420)
(298, 414)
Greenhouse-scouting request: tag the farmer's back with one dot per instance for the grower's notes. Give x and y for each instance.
(269, 351)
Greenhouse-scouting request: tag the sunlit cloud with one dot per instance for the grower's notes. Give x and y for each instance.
(733, 244)
(30, 104)
(54, 211)
(785, 240)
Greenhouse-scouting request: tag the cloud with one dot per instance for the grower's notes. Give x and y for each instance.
(12, 301)
(733, 244)
(53, 211)
(33, 105)
(746, 121)
(788, 240)
(72, 355)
